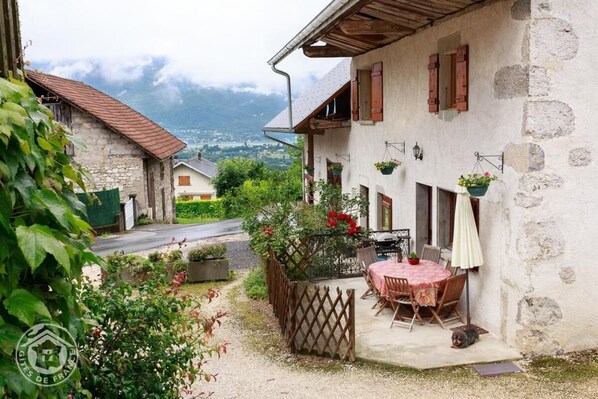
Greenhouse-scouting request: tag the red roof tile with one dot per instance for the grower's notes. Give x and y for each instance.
(117, 116)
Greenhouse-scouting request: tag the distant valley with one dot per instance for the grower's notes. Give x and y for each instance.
(197, 115)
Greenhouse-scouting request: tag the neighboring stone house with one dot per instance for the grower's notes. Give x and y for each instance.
(122, 148)
(193, 178)
(456, 77)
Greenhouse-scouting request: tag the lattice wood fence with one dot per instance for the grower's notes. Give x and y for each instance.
(313, 319)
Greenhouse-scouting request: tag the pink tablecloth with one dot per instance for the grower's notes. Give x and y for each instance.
(425, 279)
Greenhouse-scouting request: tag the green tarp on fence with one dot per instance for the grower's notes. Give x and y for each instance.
(103, 210)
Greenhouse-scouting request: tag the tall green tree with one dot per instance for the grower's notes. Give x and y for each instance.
(232, 173)
(44, 240)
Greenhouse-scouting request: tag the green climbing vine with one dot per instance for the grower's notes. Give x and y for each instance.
(44, 242)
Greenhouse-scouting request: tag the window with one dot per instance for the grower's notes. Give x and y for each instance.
(184, 180)
(364, 193)
(385, 212)
(204, 197)
(330, 177)
(367, 94)
(447, 200)
(448, 80)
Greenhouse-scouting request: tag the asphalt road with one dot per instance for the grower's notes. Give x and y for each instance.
(155, 235)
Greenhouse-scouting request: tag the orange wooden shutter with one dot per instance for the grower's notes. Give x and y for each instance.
(354, 95)
(433, 69)
(184, 180)
(462, 78)
(377, 94)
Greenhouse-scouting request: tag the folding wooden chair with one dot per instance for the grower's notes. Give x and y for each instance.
(399, 293)
(449, 300)
(454, 270)
(430, 252)
(366, 255)
(371, 291)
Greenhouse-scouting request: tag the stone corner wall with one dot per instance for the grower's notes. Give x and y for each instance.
(163, 174)
(554, 163)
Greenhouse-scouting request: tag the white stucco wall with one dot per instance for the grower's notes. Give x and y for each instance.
(200, 184)
(537, 224)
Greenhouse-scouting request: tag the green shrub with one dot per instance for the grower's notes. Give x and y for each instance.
(44, 241)
(198, 208)
(255, 284)
(149, 343)
(179, 266)
(210, 251)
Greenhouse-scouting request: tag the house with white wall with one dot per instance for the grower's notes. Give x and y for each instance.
(511, 80)
(121, 148)
(193, 178)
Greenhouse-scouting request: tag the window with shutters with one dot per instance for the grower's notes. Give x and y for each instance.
(449, 74)
(367, 93)
(184, 180)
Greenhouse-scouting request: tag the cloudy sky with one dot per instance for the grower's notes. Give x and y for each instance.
(216, 43)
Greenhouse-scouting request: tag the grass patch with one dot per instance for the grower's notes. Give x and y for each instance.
(196, 220)
(570, 367)
(255, 284)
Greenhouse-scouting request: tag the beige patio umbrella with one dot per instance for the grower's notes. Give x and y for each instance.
(467, 251)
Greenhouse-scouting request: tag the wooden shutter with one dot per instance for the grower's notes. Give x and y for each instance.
(184, 180)
(377, 93)
(433, 69)
(355, 94)
(462, 78)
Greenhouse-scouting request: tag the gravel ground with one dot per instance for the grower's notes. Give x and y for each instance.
(252, 373)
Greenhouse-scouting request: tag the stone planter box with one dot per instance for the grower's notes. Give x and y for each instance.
(208, 270)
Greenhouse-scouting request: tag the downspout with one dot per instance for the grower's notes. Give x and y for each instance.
(290, 128)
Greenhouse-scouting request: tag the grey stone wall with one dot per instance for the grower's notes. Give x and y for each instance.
(113, 161)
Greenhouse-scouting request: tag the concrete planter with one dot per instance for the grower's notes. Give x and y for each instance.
(207, 270)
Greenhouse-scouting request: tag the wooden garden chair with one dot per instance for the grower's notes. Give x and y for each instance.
(399, 293)
(430, 252)
(454, 270)
(449, 300)
(366, 255)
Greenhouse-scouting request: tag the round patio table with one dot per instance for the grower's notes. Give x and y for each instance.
(424, 279)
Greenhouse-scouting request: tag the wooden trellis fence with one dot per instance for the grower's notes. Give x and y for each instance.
(313, 319)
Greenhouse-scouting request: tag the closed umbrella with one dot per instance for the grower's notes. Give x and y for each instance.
(467, 251)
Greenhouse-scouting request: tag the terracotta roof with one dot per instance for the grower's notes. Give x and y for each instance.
(117, 116)
(314, 99)
(203, 166)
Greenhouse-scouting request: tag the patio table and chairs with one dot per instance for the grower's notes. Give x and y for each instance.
(425, 280)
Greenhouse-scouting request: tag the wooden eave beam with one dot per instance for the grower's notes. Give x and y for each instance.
(373, 27)
(327, 51)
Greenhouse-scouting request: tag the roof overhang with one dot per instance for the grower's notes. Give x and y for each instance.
(352, 27)
(192, 168)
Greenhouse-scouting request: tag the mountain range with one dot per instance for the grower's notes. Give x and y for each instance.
(195, 114)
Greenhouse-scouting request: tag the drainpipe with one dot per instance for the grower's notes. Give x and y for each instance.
(290, 128)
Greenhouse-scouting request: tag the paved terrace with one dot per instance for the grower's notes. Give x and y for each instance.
(425, 347)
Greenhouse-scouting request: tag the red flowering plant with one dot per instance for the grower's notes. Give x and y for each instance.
(340, 222)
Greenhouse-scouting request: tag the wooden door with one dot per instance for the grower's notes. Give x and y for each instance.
(385, 212)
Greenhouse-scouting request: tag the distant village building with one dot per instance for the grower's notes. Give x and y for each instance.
(123, 148)
(192, 178)
(513, 80)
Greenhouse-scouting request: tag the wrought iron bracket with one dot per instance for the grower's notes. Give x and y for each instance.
(346, 157)
(400, 146)
(500, 162)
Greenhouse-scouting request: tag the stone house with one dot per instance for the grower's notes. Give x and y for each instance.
(510, 79)
(122, 148)
(193, 178)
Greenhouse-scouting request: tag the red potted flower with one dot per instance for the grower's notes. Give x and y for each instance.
(413, 259)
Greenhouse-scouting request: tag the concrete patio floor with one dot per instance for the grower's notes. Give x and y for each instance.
(425, 347)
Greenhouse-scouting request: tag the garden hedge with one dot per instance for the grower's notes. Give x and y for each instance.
(199, 208)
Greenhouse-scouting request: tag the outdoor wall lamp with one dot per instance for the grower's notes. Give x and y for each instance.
(418, 153)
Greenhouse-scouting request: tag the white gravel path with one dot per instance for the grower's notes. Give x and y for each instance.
(244, 373)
